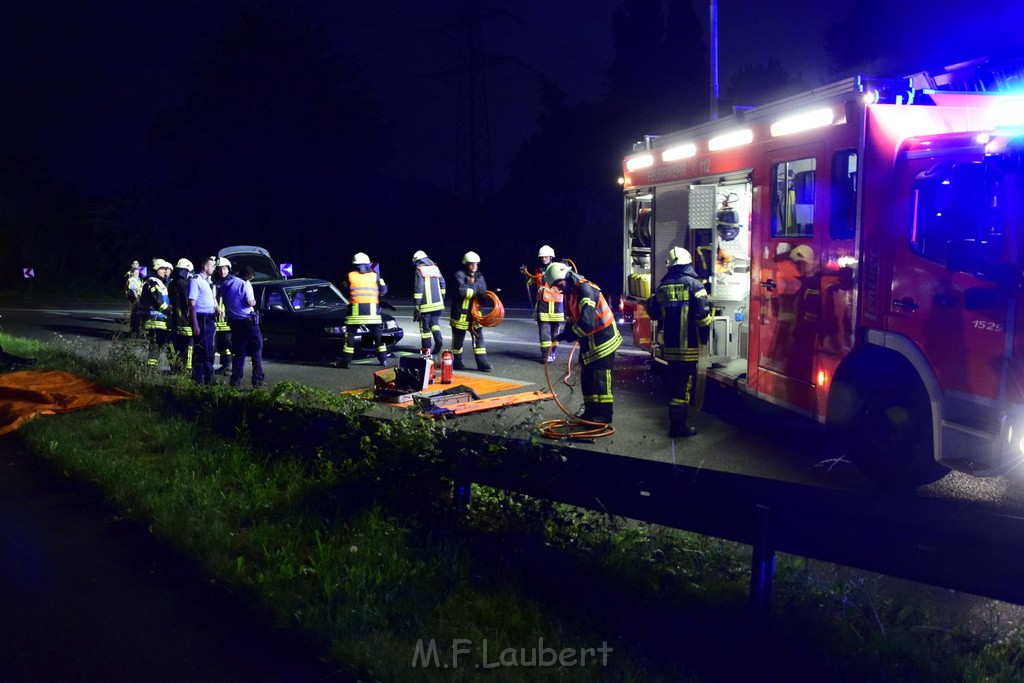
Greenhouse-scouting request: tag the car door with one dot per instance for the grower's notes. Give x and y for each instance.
(275, 317)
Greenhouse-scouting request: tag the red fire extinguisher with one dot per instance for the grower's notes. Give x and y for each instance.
(446, 366)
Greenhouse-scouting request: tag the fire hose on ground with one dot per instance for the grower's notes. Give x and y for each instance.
(571, 427)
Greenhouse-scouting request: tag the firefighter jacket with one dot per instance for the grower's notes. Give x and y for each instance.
(593, 321)
(365, 288)
(133, 289)
(467, 288)
(155, 304)
(220, 322)
(549, 306)
(178, 292)
(428, 287)
(681, 304)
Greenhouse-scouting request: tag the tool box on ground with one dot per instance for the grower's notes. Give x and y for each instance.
(398, 384)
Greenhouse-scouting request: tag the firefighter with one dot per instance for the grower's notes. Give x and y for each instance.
(177, 289)
(428, 302)
(592, 322)
(469, 284)
(132, 291)
(365, 288)
(155, 311)
(222, 336)
(681, 304)
(548, 308)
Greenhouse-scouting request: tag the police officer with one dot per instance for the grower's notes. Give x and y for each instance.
(681, 304)
(469, 284)
(155, 311)
(428, 301)
(365, 288)
(246, 337)
(592, 322)
(202, 308)
(182, 321)
(548, 306)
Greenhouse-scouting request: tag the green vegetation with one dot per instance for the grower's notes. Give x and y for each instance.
(341, 526)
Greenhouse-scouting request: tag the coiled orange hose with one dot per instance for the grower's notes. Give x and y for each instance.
(496, 315)
(571, 428)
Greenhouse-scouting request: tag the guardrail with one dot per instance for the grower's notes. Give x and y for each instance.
(952, 544)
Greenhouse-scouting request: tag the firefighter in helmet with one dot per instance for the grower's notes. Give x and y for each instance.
(222, 336)
(681, 305)
(155, 311)
(469, 284)
(428, 301)
(548, 306)
(365, 288)
(592, 322)
(177, 289)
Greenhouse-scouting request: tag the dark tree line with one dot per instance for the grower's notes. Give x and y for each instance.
(279, 139)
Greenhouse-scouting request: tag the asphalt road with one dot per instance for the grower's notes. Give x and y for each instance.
(735, 435)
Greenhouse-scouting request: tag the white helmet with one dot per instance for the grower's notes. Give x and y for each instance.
(555, 272)
(419, 255)
(677, 256)
(546, 251)
(185, 263)
(471, 257)
(360, 259)
(221, 262)
(159, 263)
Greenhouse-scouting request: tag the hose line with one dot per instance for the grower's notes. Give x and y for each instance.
(571, 427)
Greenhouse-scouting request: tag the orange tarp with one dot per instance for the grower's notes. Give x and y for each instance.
(27, 394)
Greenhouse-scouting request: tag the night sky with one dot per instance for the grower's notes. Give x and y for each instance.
(90, 89)
(83, 81)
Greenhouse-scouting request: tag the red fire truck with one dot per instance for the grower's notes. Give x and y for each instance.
(862, 246)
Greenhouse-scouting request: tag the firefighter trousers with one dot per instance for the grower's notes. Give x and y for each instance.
(430, 328)
(596, 382)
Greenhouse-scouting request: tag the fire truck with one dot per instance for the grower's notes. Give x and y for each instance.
(862, 247)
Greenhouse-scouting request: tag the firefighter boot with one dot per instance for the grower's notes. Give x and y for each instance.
(677, 422)
(225, 365)
(346, 360)
(482, 364)
(457, 362)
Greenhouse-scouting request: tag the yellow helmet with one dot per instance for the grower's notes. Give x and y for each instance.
(555, 272)
(222, 262)
(159, 263)
(185, 263)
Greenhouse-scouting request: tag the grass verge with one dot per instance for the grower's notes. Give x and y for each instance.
(350, 538)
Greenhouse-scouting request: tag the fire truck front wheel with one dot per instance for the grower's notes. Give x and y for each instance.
(892, 437)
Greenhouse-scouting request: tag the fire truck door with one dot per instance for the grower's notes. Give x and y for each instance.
(787, 280)
(958, 321)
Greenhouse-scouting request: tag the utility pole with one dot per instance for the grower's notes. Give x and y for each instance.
(472, 145)
(714, 59)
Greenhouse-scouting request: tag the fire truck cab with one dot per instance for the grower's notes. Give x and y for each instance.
(861, 245)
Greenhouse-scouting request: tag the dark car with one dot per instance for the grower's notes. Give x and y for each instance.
(307, 316)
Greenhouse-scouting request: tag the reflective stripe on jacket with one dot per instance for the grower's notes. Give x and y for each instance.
(428, 287)
(681, 304)
(593, 322)
(550, 307)
(364, 288)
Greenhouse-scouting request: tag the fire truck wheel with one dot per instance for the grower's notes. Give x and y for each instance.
(893, 440)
